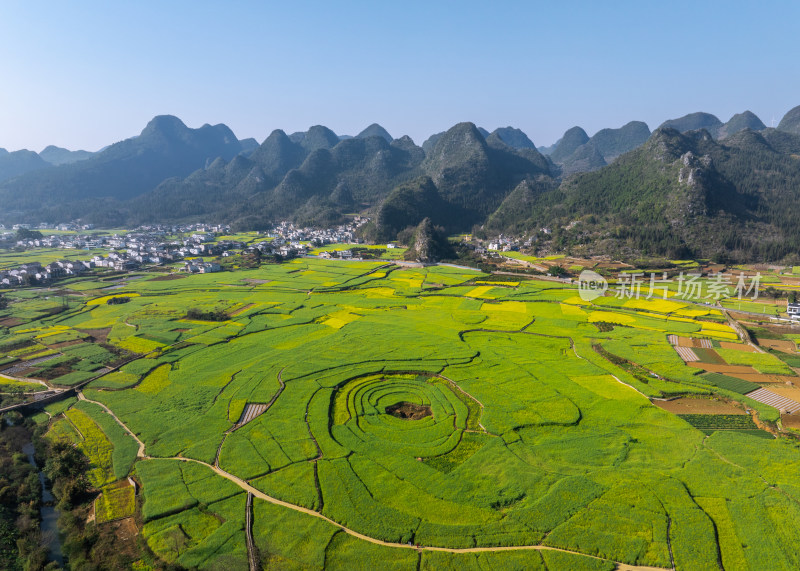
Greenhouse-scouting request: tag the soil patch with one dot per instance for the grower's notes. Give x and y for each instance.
(166, 278)
(99, 335)
(125, 531)
(698, 406)
(51, 373)
(10, 322)
(409, 410)
(788, 392)
(780, 345)
(760, 378)
(738, 346)
(694, 342)
(65, 344)
(733, 370)
(791, 421)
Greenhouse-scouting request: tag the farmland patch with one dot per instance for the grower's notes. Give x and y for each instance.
(683, 406)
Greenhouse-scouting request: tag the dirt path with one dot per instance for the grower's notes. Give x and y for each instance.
(30, 380)
(141, 452)
(253, 492)
(741, 331)
(261, 495)
(244, 485)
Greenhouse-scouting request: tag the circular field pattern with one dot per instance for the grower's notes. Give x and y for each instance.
(361, 417)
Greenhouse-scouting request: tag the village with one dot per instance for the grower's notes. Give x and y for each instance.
(156, 245)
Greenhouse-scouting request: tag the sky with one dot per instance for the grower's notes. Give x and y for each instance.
(83, 75)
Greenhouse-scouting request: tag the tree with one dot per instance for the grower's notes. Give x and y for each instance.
(3, 302)
(25, 234)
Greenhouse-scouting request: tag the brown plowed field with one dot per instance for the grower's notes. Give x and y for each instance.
(788, 392)
(725, 369)
(738, 346)
(760, 378)
(698, 406)
(779, 344)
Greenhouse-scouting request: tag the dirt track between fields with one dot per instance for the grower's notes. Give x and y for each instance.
(261, 495)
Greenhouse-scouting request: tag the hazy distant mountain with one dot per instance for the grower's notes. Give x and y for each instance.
(718, 130)
(431, 141)
(514, 138)
(165, 148)
(586, 158)
(576, 152)
(572, 139)
(791, 121)
(60, 156)
(572, 155)
(547, 151)
(739, 122)
(375, 130)
(277, 155)
(248, 145)
(283, 178)
(19, 162)
(611, 143)
(692, 122)
(317, 137)
(673, 195)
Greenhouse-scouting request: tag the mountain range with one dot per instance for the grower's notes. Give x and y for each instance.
(694, 186)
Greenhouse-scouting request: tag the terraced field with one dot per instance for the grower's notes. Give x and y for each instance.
(388, 417)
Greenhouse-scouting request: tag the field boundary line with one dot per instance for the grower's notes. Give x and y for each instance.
(252, 553)
(261, 495)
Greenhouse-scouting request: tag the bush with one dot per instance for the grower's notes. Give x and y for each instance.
(200, 315)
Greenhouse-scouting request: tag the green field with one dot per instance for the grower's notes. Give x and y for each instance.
(10, 259)
(115, 502)
(413, 405)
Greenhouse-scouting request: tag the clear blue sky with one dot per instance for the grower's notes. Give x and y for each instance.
(86, 74)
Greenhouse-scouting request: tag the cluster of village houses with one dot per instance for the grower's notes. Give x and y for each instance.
(147, 246)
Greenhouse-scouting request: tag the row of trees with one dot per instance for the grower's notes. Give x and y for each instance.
(20, 500)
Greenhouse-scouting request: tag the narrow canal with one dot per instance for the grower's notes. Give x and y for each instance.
(49, 513)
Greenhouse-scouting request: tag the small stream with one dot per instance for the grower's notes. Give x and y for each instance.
(49, 513)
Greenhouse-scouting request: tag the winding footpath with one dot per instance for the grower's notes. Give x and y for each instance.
(141, 451)
(245, 486)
